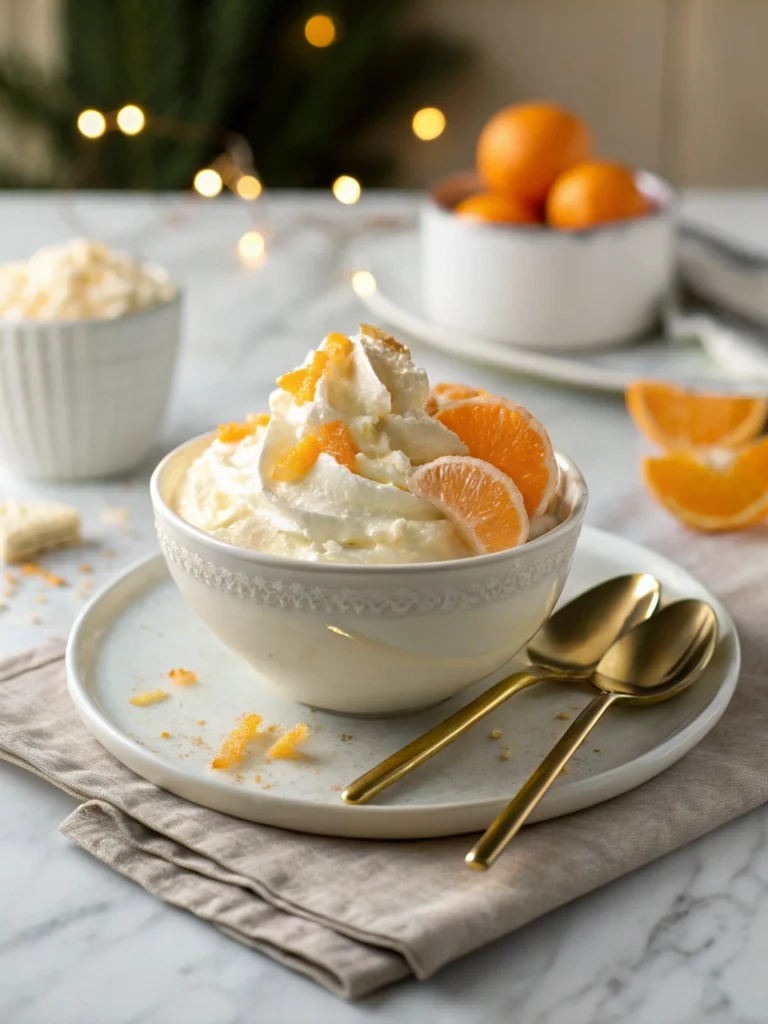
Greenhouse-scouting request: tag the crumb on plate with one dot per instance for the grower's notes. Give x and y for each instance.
(85, 568)
(182, 676)
(287, 745)
(115, 515)
(165, 735)
(235, 746)
(33, 569)
(564, 715)
(506, 753)
(494, 734)
(146, 697)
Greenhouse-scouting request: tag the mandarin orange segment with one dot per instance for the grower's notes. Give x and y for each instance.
(339, 348)
(443, 394)
(301, 383)
(336, 440)
(233, 433)
(235, 746)
(258, 419)
(715, 491)
(675, 418)
(298, 460)
(507, 436)
(483, 504)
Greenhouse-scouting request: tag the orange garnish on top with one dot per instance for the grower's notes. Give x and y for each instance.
(258, 419)
(722, 490)
(483, 504)
(233, 433)
(331, 438)
(235, 746)
(301, 383)
(387, 339)
(507, 436)
(443, 394)
(672, 417)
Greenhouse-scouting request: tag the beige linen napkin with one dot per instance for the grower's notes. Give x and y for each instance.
(357, 915)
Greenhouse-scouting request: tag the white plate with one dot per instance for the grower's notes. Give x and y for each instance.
(395, 264)
(139, 628)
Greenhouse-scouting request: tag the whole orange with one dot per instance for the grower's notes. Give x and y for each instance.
(523, 148)
(497, 209)
(594, 193)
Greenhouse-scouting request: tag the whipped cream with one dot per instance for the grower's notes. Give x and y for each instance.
(80, 280)
(333, 512)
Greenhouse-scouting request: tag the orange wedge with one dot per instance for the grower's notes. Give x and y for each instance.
(675, 418)
(443, 394)
(507, 436)
(482, 502)
(716, 491)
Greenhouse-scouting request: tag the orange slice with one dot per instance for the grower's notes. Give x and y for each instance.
(443, 394)
(483, 504)
(507, 436)
(721, 490)
(332, 438)
(675, 418)
(235, 746)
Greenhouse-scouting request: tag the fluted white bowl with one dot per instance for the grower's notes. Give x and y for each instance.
(380, 639)
(85, 398)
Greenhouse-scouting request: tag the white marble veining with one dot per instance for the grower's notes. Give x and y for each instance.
(682, 941)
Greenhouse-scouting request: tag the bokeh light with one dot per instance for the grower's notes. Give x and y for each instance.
(130, 119)
(363, 283)
(248, 187)
(92, 124)
(428, 123)
(252, 246)
(346, 189)
(207, 182)
(320, 30)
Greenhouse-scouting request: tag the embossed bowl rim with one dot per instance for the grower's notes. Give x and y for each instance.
(259, 558)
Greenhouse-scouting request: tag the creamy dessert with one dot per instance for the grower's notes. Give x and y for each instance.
(357, 462)
(80, 280)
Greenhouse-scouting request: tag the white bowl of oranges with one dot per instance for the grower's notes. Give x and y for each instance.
(544, 245)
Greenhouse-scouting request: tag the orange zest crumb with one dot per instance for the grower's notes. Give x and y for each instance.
(267, 785)
(182, 677)
(287, 745)
(201, 721)
(85, 568)
(506, 754)
(257, 778)
(235, 746)
(231, 433)
(495, 734)
(33, 569)
(258, 419)
(141, 700)
(165, 735)
(298, 460)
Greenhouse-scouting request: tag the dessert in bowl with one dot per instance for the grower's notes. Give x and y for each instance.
(364, 545)
(88, 346)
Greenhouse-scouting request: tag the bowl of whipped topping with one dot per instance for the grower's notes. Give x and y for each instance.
(88, 347)
(370, 546)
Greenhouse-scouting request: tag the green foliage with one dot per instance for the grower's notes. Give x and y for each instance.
(226, 65)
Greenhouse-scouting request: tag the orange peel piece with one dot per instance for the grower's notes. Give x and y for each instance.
(483, 504)
(147, 697)
(235, 746)
(182, 677)
(287, 746)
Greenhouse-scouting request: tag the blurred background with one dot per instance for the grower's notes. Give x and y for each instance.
(320, 89)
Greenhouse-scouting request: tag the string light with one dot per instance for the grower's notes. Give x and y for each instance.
(130, 119)
(91, 123)
(320, 30)
(207, 182)
(346, 189)
(248, 187)
(428, 123)
(363, 283)
(252, 246)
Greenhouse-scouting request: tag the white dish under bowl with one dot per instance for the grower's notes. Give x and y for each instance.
(131, 634)
(367, 640)
(82, 399)
(537, 287)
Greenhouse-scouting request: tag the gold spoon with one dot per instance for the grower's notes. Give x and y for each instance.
(568, 646)
(655, 661)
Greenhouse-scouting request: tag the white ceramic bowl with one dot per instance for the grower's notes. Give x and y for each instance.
(85, 398)
(533, 286)
(367, 640)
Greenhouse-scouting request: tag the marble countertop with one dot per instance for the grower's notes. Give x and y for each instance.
(682, 941)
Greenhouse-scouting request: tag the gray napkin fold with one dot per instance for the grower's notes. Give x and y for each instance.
(356, 915)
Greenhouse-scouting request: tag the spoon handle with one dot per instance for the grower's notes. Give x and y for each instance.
(367, 786)
(508, 823)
